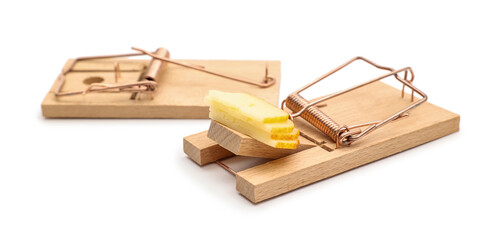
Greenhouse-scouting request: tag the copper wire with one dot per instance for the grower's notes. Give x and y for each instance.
(345, 135)
(138, 87)
(64, 72)
(267, 80)
(144, 86)
(227, 168)
(313, 115)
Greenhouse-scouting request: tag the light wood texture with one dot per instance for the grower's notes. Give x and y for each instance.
(243, 145)
(204, 150)
(179, 95)
(425, 124)
(373, 102)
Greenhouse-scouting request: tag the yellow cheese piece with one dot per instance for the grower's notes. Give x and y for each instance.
(246, 107)
(286, 136)
(278, 127)
(263, 129)
(284, 127)
(252, 130)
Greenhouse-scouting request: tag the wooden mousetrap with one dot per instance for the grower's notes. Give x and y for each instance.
(327, 148)
(116, 86)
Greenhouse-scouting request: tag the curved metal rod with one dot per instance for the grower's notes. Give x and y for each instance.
(125, 87)
(350, 138)
(347, 135)
(72, 64)
(326, 97)
(267, 81)
(227, 168)
(339, 68)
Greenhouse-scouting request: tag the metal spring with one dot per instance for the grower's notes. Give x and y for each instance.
(314, 116)
(345, 135)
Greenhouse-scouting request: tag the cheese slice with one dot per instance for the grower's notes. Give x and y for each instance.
(246, 107)
(264, 129)
(274, 128)
(254, 131)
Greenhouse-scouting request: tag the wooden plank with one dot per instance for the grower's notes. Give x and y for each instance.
(243, 145)
(374, 102)
(204, 150)
(426, 123)
(179, 95)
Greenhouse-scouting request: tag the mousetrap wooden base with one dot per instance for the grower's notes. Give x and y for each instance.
(321, 160)
(179, 94)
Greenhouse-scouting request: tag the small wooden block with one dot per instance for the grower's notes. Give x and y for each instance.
(180, 92)
(244, 145)
(204, 150)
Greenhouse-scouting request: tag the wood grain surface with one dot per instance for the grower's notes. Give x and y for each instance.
(179, 95)
(243, 145)
(204, 150)
(373, 102)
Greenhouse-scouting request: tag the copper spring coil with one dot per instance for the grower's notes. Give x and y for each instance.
(314, 116)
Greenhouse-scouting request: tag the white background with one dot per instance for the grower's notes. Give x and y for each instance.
(129, 179)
